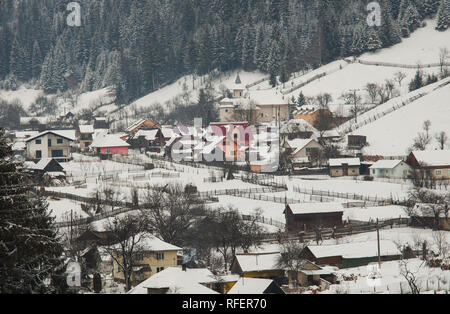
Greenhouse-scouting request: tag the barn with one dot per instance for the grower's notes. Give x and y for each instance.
(307, 216)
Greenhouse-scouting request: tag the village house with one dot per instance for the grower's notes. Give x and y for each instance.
(436, 162)
(350, 255)
(154, 256)
(179, 280)
(390, 169)
(258, 265)
(101, 123)
(256, 286)
(144, 124)
(308, 216)
(298, 128)
(149, 140)
(50, 144)
(431, 216)
(340, 167)
(312, 275)
(85, 136)
(310, 113)
(262, 106)
(301, 150)
(110, 144)
(47, 166)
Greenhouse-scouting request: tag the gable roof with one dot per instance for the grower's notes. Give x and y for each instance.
(43, 163)
(338, 162)
(386, 164)
(86, 129)
(176, 277)
(138, 123)
(251, 286)
(298, 144)
(355, 250)
(433, 157)
(258, 262)
(67, 134)
(316, 208)
(149, 135)
(108, 140)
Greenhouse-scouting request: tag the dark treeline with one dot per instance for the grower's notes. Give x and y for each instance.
(138, 45)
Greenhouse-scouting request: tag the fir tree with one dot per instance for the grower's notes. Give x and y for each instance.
(443, 15)
(30, 253)
(373, 41)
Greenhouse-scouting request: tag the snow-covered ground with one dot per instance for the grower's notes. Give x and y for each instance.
(421, 47)
(394, 133)
(25, 95)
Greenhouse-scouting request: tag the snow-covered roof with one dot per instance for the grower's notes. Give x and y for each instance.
(25, 134)
(108, 140)
(316, 208)
(356, 250)
(268, 97)
(338, 162)
(42, 164)
(149, 135)
(295, 125)
(298, 144)
(86, 129)
(67, 134)
(250, 286)
(433, 158)
(16, 146)
(172, 277)
(258, 262)
(167, 131)
(386, 164)
(154, 244)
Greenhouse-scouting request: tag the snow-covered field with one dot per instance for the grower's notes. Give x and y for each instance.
(422, 46)
(394, 133)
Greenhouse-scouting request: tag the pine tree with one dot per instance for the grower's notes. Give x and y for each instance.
(389, 31)
(373, 41)
(30, 253)
(443, 15)
(36, 60)
(301, 101)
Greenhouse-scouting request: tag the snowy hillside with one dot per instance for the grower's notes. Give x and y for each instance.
(394, 133)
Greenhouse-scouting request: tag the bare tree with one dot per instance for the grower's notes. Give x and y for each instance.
(410, 276)
(389, 87)
(441, 243)
(424, 203)
(248, 112)
(170, 211)
(427, 127)
(421, 142)
(127, 234)
(399, 77)
(442, 139)
(291, 259)
(372, 89)
(324, 100)
(353, 99)
(444, 56)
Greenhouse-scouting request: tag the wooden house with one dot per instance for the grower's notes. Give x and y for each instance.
(256, 286)
(353, 254)
(435, 162)
(308, 216)
(258, 265)
(340, 167)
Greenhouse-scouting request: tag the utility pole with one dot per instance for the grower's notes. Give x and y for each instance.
(378, 240)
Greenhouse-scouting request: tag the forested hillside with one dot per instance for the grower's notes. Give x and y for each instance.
(139, 45)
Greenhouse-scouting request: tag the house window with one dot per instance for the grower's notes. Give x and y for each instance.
(139, 257)
(159, 256)
(38, 142)
(49, 143)
(57, 153)
(59, 141)
(159, 269)
(438, 172)
(38, 154)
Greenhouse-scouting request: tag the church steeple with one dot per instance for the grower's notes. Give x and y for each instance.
(238, 80)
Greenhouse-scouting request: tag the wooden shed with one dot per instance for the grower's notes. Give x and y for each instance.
(307, 216)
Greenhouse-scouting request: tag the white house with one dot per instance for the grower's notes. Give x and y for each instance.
(392, 169)
(50, 144)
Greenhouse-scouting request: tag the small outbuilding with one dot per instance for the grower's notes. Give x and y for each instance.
(308, 216)
(341, 167)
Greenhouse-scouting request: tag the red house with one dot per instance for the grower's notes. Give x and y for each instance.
(110, 145)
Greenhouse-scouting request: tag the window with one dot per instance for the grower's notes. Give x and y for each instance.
(38, 142)
(438, 172)
(57, 153)
(159, 256)
(59, 141)
(159, 269)
(139, 257)
(49, 143)
(38, 154)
